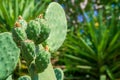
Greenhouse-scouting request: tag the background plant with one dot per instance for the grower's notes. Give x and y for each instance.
(94, 48)
(11, 9)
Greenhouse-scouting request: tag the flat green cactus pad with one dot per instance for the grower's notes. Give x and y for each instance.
(9, 55)
(56, 18)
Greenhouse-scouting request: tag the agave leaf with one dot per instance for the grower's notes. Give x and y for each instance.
(110, 74)
(29, 5)
(16, 10)
(113, 41)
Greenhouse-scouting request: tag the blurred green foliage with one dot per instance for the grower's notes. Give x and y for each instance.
(73, 8)
(96, 52)
(91, 50)
(11, 9)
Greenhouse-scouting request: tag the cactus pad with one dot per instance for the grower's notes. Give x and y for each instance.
(56, 18)
(59, 74)
(9, 55)
(19, 34)
(48, 74)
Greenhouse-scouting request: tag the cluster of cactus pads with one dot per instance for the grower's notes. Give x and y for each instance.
(33, 42)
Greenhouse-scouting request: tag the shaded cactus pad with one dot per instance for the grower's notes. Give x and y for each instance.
(9, 55)
(59, 74)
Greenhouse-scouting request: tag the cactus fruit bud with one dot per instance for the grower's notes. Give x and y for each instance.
(22, 22)
(40, 16)
(33, 30)
(42, 60)
(18, 33)
(28, 50)
(59, 74)
(47, 48)
(45, 30)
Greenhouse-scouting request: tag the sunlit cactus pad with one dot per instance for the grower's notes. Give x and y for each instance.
(9, 55)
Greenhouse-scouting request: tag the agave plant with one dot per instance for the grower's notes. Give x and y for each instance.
(11, 9)
(95, 53)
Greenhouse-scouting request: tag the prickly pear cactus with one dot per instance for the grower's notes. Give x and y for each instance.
(9, 55)
(59, 74)
(56, 18)
(26, 77)
(38, 39)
